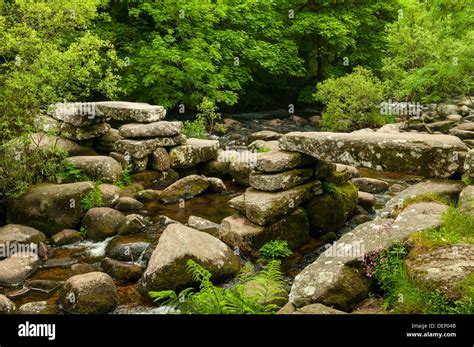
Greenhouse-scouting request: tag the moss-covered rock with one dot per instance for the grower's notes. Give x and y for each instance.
(155, 180)
(90, 293)
(50, 208)
(102, 222)
(167, 268)
(184, 188)
(404, 152)
(193, 152)
(238, 231)
(263, 208)
(279, 181)
(329, 211)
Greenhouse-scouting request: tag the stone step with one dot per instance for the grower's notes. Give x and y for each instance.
(193, 152)
(155, 129)
(140, 148)
(279, 181)
(419, 154)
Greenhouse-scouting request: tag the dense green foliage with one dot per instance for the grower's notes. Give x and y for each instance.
(24, 162)
(403, 295)
(430, 55)
(48, 53)
(92, 199)
(256, 292)
(275, 249)
(352, 101)
(208, 121)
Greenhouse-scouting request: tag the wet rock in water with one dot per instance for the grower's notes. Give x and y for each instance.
(230, 123)
(147, 130)
(193, 152)
(240, 172)
(370, 185)
(38, 307)
(90, 293)
(184, 188)
(127, 272)
(40, 140)
(337, 277)
(64, 262)
(87, 132)
(102, 222)
(66, 237)
(133, 164)
(147, 195)
(134, 224)
(445, 268)
(15, 270)
(430, 189)
(238, 231)
(265, 135)
(16, 233)
(366, 200)
(6, 305)
(141, 148)
(110, 194)
(405, 152)
(216, 185)
(263, 208)
(167, 267)
(463, 131)
(351, 169)
(466, 200)
(328, 237)
(214, 168)
(81, 268)
(280, 181)
(160, 159)
(128, 204)
(43, 286)
(155, 180)
(106, 142)
(395, 188)
(126, 249)
(238, 203)
(105, 169)
(203, 224)
(330, 210)
(360, 219)
(298, 120)
(50, 208)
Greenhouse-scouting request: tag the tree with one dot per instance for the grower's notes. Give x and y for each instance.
(48, 54)
(430, 56)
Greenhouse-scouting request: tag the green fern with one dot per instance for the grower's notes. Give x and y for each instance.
(255, 292)
(275, 249)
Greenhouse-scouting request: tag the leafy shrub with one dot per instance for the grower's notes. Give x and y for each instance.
(208, 121)
(263, 149)
(24, 162)
(92, 199)
(125, 179)
(256, 292)
(352, 101)
(71, 173)
(275, 250)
